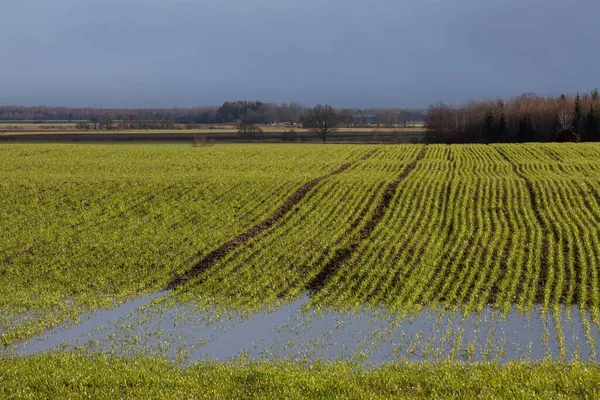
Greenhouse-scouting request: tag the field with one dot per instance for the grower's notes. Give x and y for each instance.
(450, 236)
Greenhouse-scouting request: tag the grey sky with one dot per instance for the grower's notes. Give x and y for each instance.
(157, 53)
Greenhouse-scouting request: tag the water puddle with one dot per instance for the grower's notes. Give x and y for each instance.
(157, 325)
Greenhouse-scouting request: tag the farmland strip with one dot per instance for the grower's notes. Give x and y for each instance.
(343, 254)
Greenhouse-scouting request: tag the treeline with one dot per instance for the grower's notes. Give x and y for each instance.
(43, 113)
(261, 113)
(254, 112)
(526, 118)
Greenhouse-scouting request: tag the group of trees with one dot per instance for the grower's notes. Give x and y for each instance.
(321, 120)
(246, 115)
(254, 112)
(44, 113)
(526, 118)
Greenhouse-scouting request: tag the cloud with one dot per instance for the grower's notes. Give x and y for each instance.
(136, 53)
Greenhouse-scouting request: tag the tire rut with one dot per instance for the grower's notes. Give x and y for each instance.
(539, 297)
(341, 255)
(214, 256)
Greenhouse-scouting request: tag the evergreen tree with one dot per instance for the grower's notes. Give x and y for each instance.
(577, 116)
(526, 132)
(489, 127)
(501, 129)
(592, 125)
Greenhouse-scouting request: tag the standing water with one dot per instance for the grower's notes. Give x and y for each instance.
(157, 325)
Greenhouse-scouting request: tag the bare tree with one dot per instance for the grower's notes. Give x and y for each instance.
(248, 131)
(564, 120)
(345, 117)
(322, 120)
(438, 123)
(403, 118)
(565, 128)
(107, 121)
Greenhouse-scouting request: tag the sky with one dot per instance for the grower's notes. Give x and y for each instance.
(347, 53)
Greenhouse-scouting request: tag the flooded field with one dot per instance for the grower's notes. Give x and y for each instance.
(158, 325)
(373, 253)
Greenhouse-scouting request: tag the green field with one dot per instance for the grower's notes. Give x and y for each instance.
(464, 225)
(84, 226)
(248, 227)
(66, 376)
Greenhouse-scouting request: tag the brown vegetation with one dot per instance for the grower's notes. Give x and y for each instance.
(526, 118)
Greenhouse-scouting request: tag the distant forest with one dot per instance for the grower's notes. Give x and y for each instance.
(526, 118)
(254, 112)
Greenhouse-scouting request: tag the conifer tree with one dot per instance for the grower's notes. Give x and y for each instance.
(526, 132)
(501, 129)
(489, 127)
(577, 116)
(592, 125)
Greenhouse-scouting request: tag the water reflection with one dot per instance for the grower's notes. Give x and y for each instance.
(158, 325)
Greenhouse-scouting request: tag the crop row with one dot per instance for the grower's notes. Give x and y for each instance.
(403, 227)
(87, 226)
(281, 262)
(475, 225)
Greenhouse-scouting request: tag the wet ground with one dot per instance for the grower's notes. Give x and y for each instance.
(157, 325)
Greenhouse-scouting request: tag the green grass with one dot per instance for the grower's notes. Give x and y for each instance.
(74, 376)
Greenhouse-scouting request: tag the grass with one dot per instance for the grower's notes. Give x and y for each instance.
(98, 376)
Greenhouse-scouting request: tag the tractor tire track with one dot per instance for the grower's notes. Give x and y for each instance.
(347, 233)
(341, 255)
(543, 278)
(214, 256)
